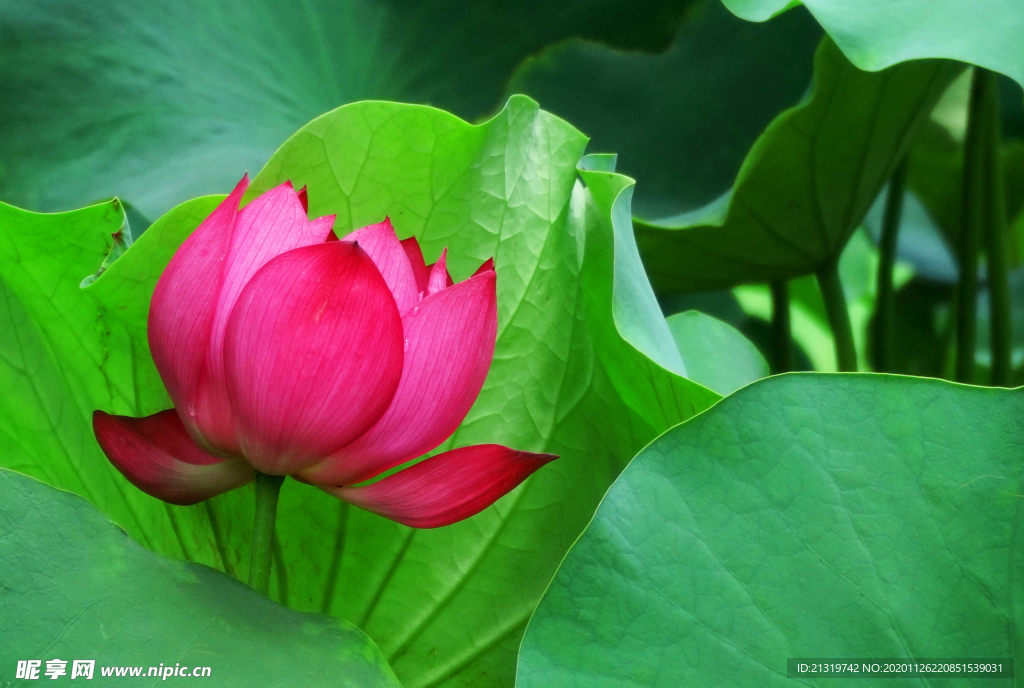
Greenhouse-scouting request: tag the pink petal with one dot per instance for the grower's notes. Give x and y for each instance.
(419, 267)
(439, 277)
(390, 257)
(303, 195)
(448, 487)
(323, 226)
(183, 307)
(273, 223)
(450, 339)
(313, 355)
(157, 455)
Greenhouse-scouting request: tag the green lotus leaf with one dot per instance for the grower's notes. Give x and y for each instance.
(806, 515)
(76, 587)
(716, 354)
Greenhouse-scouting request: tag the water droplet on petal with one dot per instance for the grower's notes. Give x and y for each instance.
(192, 410)
(406, 344)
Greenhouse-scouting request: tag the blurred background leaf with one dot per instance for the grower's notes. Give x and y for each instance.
(805, 185)
(681, 121)
(161, 101)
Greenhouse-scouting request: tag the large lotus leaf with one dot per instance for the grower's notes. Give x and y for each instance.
(806, 183)
(63, 355)
(806, 515)
(163, 100)
(681, 121)
(876, 35)
(575, 373)
(76, 587)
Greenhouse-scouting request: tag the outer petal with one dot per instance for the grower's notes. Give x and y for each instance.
(184, 303)
(450, 343)
(313, 355)
(390, 257)
(448, 487)
(273, 223)
(156, 454)
(419, 266)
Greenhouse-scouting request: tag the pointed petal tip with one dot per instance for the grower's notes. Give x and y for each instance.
(392, 260)
(439, 278)
(234, 199)
(303, 195)
(486, 278)
(324, 225)
(446, 488)
(275, 192)
(488, 266)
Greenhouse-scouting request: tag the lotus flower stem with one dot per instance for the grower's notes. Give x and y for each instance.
(882, 332)
(971, 221)
(838, 318)
(996, 256)
(268, 487)
(782, 336)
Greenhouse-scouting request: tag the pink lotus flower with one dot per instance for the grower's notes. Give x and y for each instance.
(291, 353)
